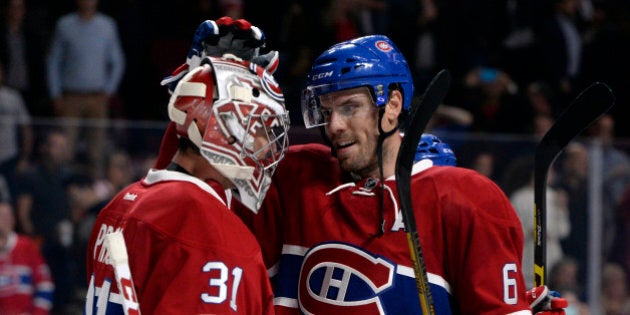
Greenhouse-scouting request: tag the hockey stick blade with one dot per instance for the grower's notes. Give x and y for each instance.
(587, 107)
(418, 120)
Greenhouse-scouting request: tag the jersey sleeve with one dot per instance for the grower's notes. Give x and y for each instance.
(483, 244)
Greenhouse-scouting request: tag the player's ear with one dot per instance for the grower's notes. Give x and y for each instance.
(393, 107)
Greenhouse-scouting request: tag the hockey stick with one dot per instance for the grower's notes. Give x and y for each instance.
(587, 107)
(419, 117)
(115, 245)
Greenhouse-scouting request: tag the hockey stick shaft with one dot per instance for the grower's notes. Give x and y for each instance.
(587, 107)
(115, 244)
(418, 120)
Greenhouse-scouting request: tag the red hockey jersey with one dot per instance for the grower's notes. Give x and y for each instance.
(25, 283)
(188, 253)
(332, 248)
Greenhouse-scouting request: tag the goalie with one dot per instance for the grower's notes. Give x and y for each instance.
(188, 253)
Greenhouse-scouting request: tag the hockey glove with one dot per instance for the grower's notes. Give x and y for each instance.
(225, 36)
(546, 302)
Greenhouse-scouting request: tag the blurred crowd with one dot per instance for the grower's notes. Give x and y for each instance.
(498, 51)
(516, 64)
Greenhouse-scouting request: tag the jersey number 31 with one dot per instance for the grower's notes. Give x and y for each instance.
(220, 283)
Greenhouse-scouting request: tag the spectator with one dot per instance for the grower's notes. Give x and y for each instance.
(118, 174)
(616, 176)
(560, 46)
(85, 66)
(564, 278)
(493, 99)
(615, 298)
(616, 162)
(541, 124)
(232, 8)
(345, 20)
(5, 195)
(484, 163)
(576, 305)
(25, 284)
(43, 211)
(517, 172)
(16, 138)
(540, 99)
(518, 43)
(620, 252)
(85, 204)
(373, 16)
(22, 49)
(572, 176)
(449, 118)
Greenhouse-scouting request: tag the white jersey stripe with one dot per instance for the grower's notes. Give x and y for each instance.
(294, 250)
(286, 302)
(433, 278)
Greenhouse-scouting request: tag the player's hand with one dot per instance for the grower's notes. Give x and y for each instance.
(546, 302)
(225, 36)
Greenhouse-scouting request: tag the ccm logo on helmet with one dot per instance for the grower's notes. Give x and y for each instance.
(383, 46)
(322, 75)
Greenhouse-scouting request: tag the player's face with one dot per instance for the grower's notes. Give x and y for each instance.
(352, 129)
(264, 146)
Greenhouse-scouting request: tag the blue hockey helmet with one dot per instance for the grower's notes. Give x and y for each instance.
(433, 148)
(372, 61)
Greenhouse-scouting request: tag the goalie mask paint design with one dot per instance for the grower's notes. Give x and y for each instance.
(372, 61)
(233, 111)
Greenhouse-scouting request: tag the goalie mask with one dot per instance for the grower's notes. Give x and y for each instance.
(233, 111)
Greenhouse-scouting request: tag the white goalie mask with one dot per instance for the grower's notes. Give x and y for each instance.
(233, 110)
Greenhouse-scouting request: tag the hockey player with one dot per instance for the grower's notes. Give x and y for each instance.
(331, 230)
(433, 148)
(188, 253)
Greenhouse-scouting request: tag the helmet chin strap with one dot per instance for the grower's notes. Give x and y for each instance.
(382, 135)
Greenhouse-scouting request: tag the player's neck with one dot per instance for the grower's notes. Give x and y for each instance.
(391, 145)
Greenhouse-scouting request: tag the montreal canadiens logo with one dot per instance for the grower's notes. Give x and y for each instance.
(268, 82)
(383, 46)
(338, 278)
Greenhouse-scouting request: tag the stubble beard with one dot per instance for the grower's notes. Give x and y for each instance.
(363, 164)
